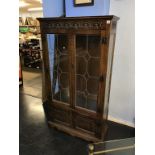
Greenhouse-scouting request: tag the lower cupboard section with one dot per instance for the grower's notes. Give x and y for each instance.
(71, 118)
(85, 124)
(61, 116)
(75, 123)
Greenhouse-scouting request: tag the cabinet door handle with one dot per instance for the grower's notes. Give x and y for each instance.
(72, 66)
(101, 78)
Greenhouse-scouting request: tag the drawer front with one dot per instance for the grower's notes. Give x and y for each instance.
(85, 123)
(60, 115)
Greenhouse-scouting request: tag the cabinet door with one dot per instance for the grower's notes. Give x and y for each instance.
(59, 63)
(60, 87)
(59, 67)
(79, 55)
(87, 72)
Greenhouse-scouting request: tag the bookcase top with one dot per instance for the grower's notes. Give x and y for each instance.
(108, 17)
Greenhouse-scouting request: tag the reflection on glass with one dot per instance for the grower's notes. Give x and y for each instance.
(60, 87)
(87, 70)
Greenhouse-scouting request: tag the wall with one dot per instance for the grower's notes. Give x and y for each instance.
(53, 8)
(122, 98)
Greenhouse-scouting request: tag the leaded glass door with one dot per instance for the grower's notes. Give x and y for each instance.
(75, 72)
(87, 72)
(60, 85)
(86, 68)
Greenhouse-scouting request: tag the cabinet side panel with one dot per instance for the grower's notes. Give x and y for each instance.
(112, 36)
(46, 81)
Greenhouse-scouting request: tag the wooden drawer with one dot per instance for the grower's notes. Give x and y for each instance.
(85, 123)
(60, 115)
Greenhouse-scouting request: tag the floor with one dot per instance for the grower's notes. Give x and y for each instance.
(32, 83)
(36, 138)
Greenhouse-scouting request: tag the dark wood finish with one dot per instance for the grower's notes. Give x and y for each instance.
(76, 133)
(46, 80)
(83, 71)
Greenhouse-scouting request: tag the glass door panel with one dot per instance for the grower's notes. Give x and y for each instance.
(87, 70)
(60, 68)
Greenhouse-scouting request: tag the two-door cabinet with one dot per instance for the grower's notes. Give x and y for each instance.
(77, 67)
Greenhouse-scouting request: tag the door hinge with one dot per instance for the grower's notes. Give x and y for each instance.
(104, 40)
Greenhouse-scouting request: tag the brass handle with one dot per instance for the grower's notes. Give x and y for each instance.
(91, 149)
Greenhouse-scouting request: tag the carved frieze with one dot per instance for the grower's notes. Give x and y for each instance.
(75, 25)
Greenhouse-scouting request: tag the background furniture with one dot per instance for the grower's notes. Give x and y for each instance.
(113, 147)
(20, 73)
(76, 93)
(31, 53)
(29, 42)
